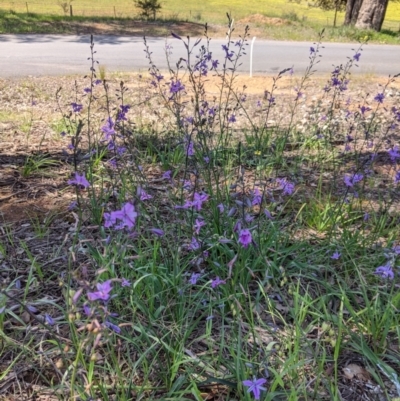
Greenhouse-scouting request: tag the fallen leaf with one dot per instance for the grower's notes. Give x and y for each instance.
(352, 370)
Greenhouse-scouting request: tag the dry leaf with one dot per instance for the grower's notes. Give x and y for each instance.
(352, 370)
(25, 317)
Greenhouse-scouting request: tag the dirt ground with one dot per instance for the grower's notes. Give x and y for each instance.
(30, 125)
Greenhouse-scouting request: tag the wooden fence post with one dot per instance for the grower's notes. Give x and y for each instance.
(115, 14)
(27, 9)
(71, 14)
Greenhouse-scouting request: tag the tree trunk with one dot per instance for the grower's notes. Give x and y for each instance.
(352, 10)
(372, 14)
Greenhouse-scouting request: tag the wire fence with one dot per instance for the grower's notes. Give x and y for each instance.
(127, 9)
(118, 10)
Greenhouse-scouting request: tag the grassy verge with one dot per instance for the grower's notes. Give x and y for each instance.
(288, 26)
(221, 244)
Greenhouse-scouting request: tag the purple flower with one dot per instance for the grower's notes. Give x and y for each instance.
(198, 200)
(186, 184)
(286, 186)
(32, 308)
(351, 180)
(214, 64)
(79, 180)
(193, 278)
(394, 153)
(217, 282)
(194, 244)
(103, 291)
(255, 387)
(112, 163)
(157, 231)
(357, 56)
(312, 50)
(144, 195)
(125, 282)
(237, 227)
(228, 54)
(109, 219)
(245, 238)
(124, 108)
(364, 109)
(397, 177)
(87, 310)
(221, 208)
(113, 327)
(189, 148)
(189, 120)
(232, 211)
(49, 319)
(268, 214)
(73, 205)
(108, 129)
(299, 94)
(366, 216)
(385, 272)
(248, 218)
(379, 97)
(396, 250)
(76, 107)
(176, 86)
(87, 90)
(197, 226)
(336, 255)
(232, 119)
(167, 175)
(128, 215)
(121, 150)
(257, 197)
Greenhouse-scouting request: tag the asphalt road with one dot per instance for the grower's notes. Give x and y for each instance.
(38, 55)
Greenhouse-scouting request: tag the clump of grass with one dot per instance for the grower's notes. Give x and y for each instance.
(217, 252)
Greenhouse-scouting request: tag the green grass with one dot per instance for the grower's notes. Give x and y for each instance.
(298, 305)
(210, 10)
